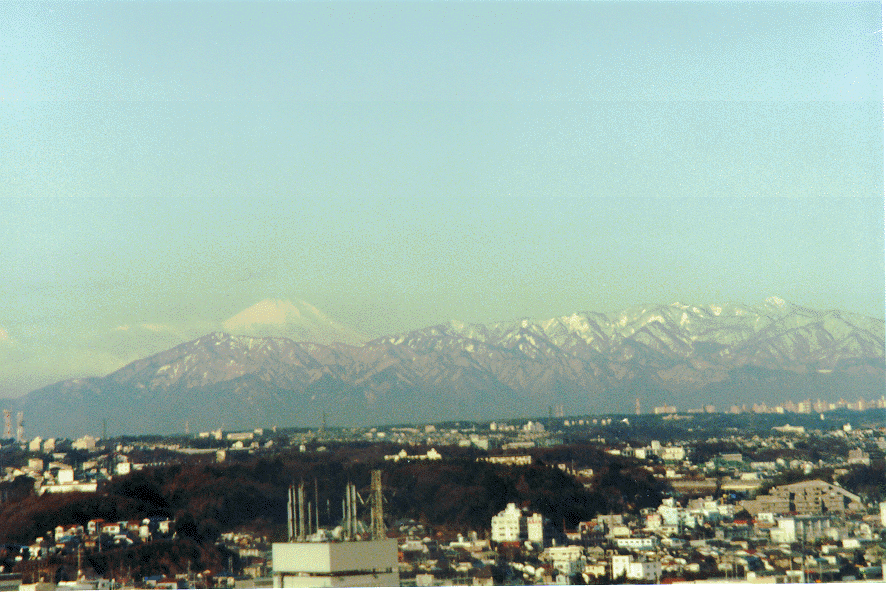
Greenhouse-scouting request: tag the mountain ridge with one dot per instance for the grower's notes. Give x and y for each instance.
(587, 362)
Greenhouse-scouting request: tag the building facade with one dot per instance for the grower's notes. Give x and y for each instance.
(807, 497)
(512, 524)
(346, 564)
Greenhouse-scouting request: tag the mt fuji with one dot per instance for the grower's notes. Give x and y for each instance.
(299, 321)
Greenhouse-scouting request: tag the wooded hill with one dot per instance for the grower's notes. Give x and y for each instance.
(208, 499)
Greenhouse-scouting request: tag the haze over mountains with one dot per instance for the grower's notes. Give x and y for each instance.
(298, 364)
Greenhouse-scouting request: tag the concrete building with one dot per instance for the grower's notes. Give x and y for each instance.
(620, 565)
(85, 443)
(646, 571)
(35, 444)
(346, 564)
(673, 453)
(807, 497)
(510, 460)
(859, 457)
(567, 561)
(636, 543)
(511, 524)
(800, 528)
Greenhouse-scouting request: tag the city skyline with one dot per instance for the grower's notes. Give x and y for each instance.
(400, 165)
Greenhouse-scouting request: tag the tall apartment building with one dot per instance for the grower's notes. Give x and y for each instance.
(512, 524)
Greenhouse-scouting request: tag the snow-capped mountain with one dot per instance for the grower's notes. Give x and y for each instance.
(299, 321)
(587, 362)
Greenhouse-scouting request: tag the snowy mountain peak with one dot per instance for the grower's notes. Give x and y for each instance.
(299, 321)
(270, 312)
(775, 301)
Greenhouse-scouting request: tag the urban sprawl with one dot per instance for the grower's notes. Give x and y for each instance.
(761, 494)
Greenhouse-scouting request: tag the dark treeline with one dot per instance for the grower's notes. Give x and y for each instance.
(208, 499)
(460, 493)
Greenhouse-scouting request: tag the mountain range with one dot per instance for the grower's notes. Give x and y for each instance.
(584, 363)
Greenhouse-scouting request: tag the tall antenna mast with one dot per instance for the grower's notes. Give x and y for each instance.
(301, 511)
(316, 507)
(378, 523)
(347, 508)
(290, 513)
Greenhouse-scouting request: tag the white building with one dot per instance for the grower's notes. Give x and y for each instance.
(859, 457)
(346, 564)
(506, 525)
(511, 524)
(674, 515)
(673, 453)
(646, 571)
(636, 543)
(85, 443)
(568, 561)
(800, 528)
(620, 565)
(535, 529)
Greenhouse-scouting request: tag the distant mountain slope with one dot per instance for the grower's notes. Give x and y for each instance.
(587, 362)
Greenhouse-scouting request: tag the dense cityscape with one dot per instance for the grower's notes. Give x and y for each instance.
(672, 496)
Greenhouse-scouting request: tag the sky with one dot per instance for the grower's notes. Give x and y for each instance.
(165, 165)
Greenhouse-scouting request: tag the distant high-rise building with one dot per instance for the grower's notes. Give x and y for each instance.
(637, 406)
(7, 424)
(20, 427)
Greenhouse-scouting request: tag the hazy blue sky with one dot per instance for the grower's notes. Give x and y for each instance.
(168, 164)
